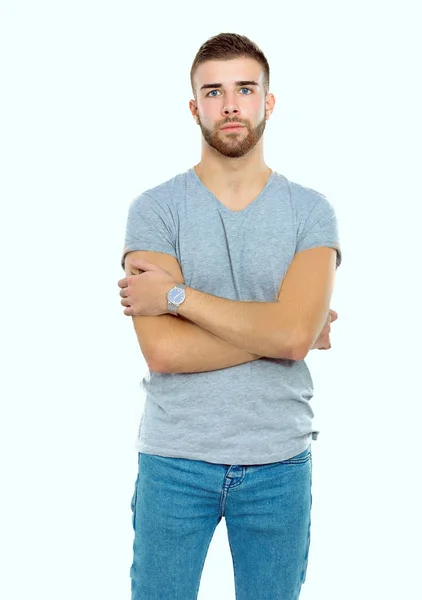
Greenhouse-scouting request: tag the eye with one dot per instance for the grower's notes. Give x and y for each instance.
(247, 89)
(212, 92)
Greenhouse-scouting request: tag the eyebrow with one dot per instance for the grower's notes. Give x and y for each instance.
(219, 85)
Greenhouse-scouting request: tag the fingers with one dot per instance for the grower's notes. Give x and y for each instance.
(332, 315)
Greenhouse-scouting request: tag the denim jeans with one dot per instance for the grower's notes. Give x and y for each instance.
(178, 503)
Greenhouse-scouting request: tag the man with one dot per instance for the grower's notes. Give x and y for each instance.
(229, 275)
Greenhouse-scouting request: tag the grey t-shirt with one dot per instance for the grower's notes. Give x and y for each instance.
(258, 412)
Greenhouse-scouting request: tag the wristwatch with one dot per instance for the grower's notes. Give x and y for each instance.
(175, 297)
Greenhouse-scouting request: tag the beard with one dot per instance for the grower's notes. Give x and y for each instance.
(237, 145)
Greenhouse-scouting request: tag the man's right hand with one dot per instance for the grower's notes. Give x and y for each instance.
(323, 341)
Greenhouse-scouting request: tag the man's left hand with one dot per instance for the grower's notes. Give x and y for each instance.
(146, 294)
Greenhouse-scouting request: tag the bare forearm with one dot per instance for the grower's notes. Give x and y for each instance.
(187, 348)
(254, 326)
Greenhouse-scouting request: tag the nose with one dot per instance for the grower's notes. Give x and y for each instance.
(230, 108)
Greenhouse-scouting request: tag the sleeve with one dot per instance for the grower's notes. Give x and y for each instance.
(149, 227)
(320, 228)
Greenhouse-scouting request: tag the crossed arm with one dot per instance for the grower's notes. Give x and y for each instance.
(213, 333)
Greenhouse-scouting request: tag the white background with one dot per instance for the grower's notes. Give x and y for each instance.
(94, 110)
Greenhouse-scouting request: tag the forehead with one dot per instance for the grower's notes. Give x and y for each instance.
(227, 72)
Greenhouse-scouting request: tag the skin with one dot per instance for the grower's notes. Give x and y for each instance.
(232, 165)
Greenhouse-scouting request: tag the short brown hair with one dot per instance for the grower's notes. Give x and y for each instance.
(226, 46)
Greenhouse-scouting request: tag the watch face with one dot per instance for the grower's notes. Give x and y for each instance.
(176, 295)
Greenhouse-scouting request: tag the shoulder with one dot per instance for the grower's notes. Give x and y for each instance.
(174, 183)
(305, 195)
(307, 200)
(163, 193)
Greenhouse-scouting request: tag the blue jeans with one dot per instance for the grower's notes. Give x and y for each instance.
(178, 503)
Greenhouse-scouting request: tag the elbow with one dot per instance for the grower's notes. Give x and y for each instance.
(293, 352)
(298, 349)
(162, 359)
(157, 367)
(155, 362)
(299, 353)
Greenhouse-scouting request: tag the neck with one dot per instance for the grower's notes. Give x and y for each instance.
(232, 174)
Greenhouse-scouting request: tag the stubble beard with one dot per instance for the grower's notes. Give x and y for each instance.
(233, 148)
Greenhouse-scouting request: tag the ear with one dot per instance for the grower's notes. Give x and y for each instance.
(193, 109)
(269, 105)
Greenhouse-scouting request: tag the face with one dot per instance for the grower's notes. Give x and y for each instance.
(231, 93)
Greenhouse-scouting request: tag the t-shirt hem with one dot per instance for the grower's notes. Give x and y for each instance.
(330, 243)
(151, 248)
(287, 453)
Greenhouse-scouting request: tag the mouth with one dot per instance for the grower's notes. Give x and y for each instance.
(233, 127)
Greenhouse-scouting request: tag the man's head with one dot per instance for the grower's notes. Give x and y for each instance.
(230, 82)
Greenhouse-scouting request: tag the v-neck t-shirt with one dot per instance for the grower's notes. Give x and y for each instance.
(257, 412)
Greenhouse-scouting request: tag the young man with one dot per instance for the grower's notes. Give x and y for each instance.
(229, 275)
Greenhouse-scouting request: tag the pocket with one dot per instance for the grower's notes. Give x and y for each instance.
(133, 502)
(302, 457)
